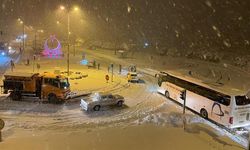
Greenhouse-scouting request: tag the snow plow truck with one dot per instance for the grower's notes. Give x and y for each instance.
(46, 86)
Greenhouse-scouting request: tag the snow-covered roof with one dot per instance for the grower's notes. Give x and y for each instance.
(20, 74)
(52, 75)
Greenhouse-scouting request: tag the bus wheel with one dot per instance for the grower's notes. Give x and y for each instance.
(119, 103)
(97, 108)
(167, 94)
(52, 98)
(204, 113)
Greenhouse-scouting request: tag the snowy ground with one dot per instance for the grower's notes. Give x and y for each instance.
(147, 121)
(146, 137)
(5, 61)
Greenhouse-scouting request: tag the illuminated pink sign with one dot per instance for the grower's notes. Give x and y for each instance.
(54, 51)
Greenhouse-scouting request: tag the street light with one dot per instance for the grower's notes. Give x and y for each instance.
(62, 7)
(40, 31)
(22, 22)
(35, 46)
(68, 30)
(76, 8)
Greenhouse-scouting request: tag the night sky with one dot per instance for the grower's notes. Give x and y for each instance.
(181, 24)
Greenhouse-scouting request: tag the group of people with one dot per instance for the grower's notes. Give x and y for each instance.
(12, 64)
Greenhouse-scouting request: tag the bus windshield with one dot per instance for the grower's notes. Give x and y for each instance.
(161, 78)
(242, 100)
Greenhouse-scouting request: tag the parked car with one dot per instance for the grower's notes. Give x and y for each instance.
(98, 100)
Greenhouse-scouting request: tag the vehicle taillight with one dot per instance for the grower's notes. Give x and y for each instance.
(231, 120)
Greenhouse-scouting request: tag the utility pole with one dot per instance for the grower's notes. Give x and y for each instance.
(23, 37)
(74, 49)
(120, 69)
(1, 33)
(1, 24)
(183, 97)
(34, 59)
(112, 70)
(248, 146)
(35, 43)
(1, 127)
(23, 25)
(68, 38)
(67, 8)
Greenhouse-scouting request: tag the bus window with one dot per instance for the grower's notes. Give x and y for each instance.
(242, 100)
(225, 100)
(159, 81)
(161, 78)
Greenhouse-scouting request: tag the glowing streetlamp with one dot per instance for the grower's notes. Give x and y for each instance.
(62, 7)
(22, 22)
(76, 8)
(68, 30)
(40, 31)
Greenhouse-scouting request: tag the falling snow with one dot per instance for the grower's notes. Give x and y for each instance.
(206, 39)
(129, 9)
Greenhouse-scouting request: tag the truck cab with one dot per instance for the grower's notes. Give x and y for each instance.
(54, 87)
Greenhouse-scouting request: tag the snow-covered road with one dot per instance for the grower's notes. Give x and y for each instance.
(142, 105)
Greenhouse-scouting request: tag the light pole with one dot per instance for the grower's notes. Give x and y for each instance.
(68, 42)
(68, 30)
(22, 22)
(35, 42)
(37, 36)
(23, 38)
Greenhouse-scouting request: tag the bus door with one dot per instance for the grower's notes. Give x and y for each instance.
(175, 92)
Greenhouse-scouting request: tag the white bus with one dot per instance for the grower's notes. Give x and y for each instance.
(230, 108)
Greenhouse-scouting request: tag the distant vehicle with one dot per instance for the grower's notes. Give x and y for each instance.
(92, 47)
(77, 75)
(80, 75)
(132, 68)
(47, 86)
(4, 49)
(132, 77)
(98, 100)
(224, 106)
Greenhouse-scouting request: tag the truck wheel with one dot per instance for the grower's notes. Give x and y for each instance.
(16, 96)
(119, 103)
(97, 108)
(167, 94)
(52, 99)
(204, 113)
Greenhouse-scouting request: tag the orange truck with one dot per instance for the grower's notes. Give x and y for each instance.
(47, 86)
